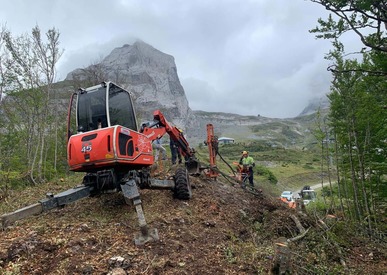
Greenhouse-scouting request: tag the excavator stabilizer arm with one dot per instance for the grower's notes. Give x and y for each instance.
(50, 202)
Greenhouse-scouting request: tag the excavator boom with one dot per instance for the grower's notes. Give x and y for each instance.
(160, 127)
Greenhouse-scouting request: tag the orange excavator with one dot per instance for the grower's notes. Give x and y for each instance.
(104, 143)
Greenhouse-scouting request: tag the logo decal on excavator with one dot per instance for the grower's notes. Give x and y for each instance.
(144, 144)
(86, 147)
(125, 131)
(151, 134)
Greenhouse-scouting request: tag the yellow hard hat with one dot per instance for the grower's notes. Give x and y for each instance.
(244, 153)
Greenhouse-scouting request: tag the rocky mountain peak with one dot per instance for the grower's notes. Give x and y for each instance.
(139, 56)
(150, 75)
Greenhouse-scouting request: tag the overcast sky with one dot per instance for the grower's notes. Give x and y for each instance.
(247, 57)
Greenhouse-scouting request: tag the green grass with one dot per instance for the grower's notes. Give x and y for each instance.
(25, 196)
(293, 168)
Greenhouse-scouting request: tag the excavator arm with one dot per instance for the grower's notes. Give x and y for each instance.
(159, 127)
(175, 134)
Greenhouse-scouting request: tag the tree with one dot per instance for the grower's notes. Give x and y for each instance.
(2, 67)
(357, 104)
(358, 121)
(91, 75)
(30, 64)
(367, 19)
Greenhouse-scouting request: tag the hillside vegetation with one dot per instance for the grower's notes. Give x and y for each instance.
(223, 229)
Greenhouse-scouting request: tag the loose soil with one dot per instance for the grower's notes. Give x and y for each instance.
(223, 229)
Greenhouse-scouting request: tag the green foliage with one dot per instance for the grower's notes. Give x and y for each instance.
(326, 192)
(30, 113)
(11, 179)
(237, 148)
(290, 133)
(308, 166)
(362, 17)
(11, 269)
(276, 169)
(284, 133)
(230, 255)
(357, 115)
(263, 171)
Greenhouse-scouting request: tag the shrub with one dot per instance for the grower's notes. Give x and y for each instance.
(263, 171)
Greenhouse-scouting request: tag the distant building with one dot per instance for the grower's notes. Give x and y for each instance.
(225, 140)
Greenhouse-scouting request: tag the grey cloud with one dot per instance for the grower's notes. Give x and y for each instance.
(248, 57)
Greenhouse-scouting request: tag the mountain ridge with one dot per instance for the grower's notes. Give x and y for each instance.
(151, 77)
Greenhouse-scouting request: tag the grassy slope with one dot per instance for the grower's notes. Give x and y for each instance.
(292, 167)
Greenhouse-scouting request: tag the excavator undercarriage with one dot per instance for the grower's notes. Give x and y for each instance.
(107, 181)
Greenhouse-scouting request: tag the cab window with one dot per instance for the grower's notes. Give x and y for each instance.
(121, 108)
(92, 110)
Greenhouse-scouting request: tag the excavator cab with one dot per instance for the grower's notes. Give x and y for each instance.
(103, 134)
(101, 106)
(102, 131)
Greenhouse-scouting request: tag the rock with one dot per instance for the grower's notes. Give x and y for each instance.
(118, 261)
(151, 77)
(210, 223)
(117, 271)
(84, 228)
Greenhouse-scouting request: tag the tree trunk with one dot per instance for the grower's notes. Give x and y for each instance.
(360, 155)
(338, 176)
(353, 180)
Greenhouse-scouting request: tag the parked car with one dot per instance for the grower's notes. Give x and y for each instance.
(288, 195)
(308, 195)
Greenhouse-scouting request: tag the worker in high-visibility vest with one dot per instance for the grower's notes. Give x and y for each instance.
(248, 162)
